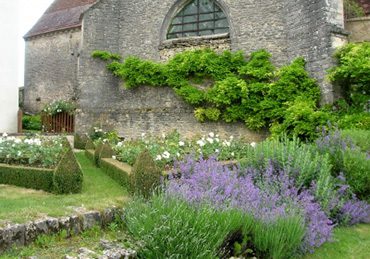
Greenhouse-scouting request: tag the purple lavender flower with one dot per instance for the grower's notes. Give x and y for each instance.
(266, 193)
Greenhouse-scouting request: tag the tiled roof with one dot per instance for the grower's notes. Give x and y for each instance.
(366, 5)
(62, 14)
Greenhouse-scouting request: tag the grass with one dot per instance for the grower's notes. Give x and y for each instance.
(349, 243)
(19, 205)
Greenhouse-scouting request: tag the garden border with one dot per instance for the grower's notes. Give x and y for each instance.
(65, 178)
(25, 234)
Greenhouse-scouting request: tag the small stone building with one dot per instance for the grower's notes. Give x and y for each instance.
(59, 47)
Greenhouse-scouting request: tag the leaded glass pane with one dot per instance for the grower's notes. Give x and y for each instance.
(205, 17)
(198, 18)
(192, 18)
(221, 23)
(191, 9)
(205, 6)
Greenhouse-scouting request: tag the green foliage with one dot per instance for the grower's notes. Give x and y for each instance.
(59, 106)
(207, 114)
(106, 151)
(356, 166)
(27, 177)
(118, 172)
(80, 141)
(89, 144)
(68, 175)
(105, 55)
(97, 152)
(360, 120)
(251, 91)
(259, 68)
(301, 119)
(279, 239)
(352, 9)
(31, 122)
(352, 72)
(174, 229)
(293, 155)
(146, 176)
(360, 138)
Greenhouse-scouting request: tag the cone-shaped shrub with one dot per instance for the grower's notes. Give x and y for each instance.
(80, 141)
(146, 176)
(89, 144)
(106, 151)
(68, 175)
(97, 154)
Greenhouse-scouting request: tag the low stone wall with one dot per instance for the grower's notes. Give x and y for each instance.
(24, 234)
(359, 29)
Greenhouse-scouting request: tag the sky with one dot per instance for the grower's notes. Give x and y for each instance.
(20, 17)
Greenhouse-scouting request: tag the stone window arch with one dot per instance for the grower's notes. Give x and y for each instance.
(198, 18)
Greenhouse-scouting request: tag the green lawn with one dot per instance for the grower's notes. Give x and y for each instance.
(349, 243)
(99, 191)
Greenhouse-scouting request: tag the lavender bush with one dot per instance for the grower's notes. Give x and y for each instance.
(268, 194)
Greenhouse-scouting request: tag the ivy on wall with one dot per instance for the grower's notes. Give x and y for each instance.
(225, 87)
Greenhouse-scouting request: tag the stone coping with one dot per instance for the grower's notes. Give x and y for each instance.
(24, 234)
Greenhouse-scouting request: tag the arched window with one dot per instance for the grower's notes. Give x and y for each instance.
(198, 18)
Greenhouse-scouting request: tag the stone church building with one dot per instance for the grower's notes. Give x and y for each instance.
(59, 46)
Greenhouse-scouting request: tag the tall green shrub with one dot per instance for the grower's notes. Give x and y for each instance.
(68, 175)
(146, 176)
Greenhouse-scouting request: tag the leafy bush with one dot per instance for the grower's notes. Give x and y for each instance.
(79, 141)
(352, 72)
(297, 159)
(268, 195)
(34, 178)
(347, 158)
(353, 9)
(68, 175)
(252, 91)
(59, 106)
(174, 229)
(356, 166)
(146, 176)
(31, 122)
(360, 138)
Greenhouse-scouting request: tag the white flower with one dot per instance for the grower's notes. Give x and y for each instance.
(142, 135)
(217, 140)
(217, 151)
(211, 134)
(166, 154)
(201, 143)
(17, 141)
(231, 137)
(105, 140)
(181, 143)
(158, 158)
(163, 135)
(226, 143)
(210, 140)
(59, 110)
(19, 153)
(5, 134)
(253, 144)
(178, 154)
(114, 157)
(217, 136)
(119, 144)
(37, 142)
(232, 154)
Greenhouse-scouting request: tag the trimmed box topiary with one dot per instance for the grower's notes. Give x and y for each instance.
(97, 154)
(80, 141)
(89, 144)
(146, 176)
(68, 175)
(27, 177)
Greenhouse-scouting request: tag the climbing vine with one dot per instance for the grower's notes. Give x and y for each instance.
(226, 86)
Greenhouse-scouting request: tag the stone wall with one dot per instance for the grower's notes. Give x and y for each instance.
(51, 68)
(285, 28)
(314, 29)
(359, 29)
